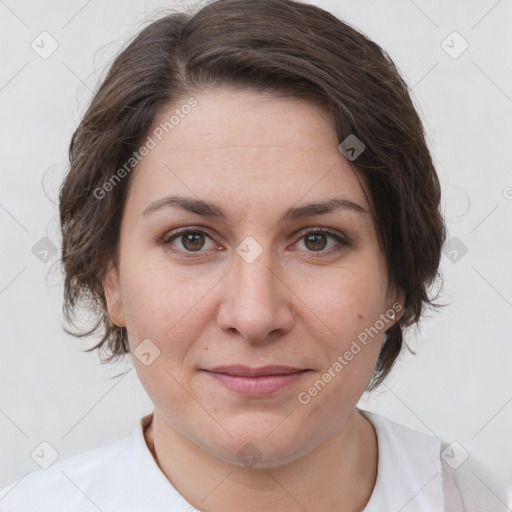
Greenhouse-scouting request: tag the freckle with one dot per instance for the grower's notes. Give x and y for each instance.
(359, 315)
(205, 348)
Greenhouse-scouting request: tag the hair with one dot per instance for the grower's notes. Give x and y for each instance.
(279, 46)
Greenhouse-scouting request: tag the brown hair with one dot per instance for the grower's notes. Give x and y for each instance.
(281, 46)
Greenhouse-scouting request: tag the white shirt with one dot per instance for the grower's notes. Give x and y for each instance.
(124, 477)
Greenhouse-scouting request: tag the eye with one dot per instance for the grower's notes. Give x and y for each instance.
(318, 240)
(190, 240)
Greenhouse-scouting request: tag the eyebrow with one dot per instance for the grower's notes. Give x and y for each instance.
(205, 209)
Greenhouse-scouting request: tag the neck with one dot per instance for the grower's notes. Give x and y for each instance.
(339, 475)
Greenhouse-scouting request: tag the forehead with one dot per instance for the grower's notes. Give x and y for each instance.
(247, 148)
(228, 119)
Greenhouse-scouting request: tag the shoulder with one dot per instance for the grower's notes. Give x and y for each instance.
(468, 485)
(454, 479)
(67, 485)
(409, 468)
(397, 440)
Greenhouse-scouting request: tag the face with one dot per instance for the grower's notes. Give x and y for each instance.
(257, 277)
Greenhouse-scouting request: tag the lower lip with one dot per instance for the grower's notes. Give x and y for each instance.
(256, 386)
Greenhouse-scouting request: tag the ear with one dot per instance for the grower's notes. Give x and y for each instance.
(112, 290)
(395, 302)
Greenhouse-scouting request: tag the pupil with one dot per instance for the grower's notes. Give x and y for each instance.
(316, 239)
(191, 241)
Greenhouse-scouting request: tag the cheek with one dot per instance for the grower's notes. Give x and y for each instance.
(350, 354)
(161, 301)
(348, 300)
(170, 309)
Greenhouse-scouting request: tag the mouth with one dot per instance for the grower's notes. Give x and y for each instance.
(247, 371)
(255, 382)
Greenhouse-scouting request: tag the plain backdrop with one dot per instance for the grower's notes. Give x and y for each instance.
(458, 386)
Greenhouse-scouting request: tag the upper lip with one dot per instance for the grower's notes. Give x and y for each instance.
(247, 371)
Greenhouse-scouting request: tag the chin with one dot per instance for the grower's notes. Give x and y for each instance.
(261, 445)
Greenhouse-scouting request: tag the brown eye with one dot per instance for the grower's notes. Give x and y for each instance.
(316, 242)
(192, 241)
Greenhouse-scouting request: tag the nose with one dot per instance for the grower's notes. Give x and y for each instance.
(256, 302)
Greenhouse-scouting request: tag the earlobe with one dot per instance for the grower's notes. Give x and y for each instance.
(112, 290)
(396, 301)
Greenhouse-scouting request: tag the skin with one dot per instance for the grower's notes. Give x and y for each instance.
(255, 156)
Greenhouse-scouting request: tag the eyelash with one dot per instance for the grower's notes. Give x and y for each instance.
(170, 237)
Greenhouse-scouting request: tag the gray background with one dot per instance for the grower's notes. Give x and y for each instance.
(458, 386)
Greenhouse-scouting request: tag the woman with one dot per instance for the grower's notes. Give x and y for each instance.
(252, 210)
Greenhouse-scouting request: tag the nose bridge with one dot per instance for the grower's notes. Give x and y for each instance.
(254, 277)
(256, 303)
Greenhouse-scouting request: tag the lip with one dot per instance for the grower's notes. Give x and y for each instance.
(246, 371)
(254, 382)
